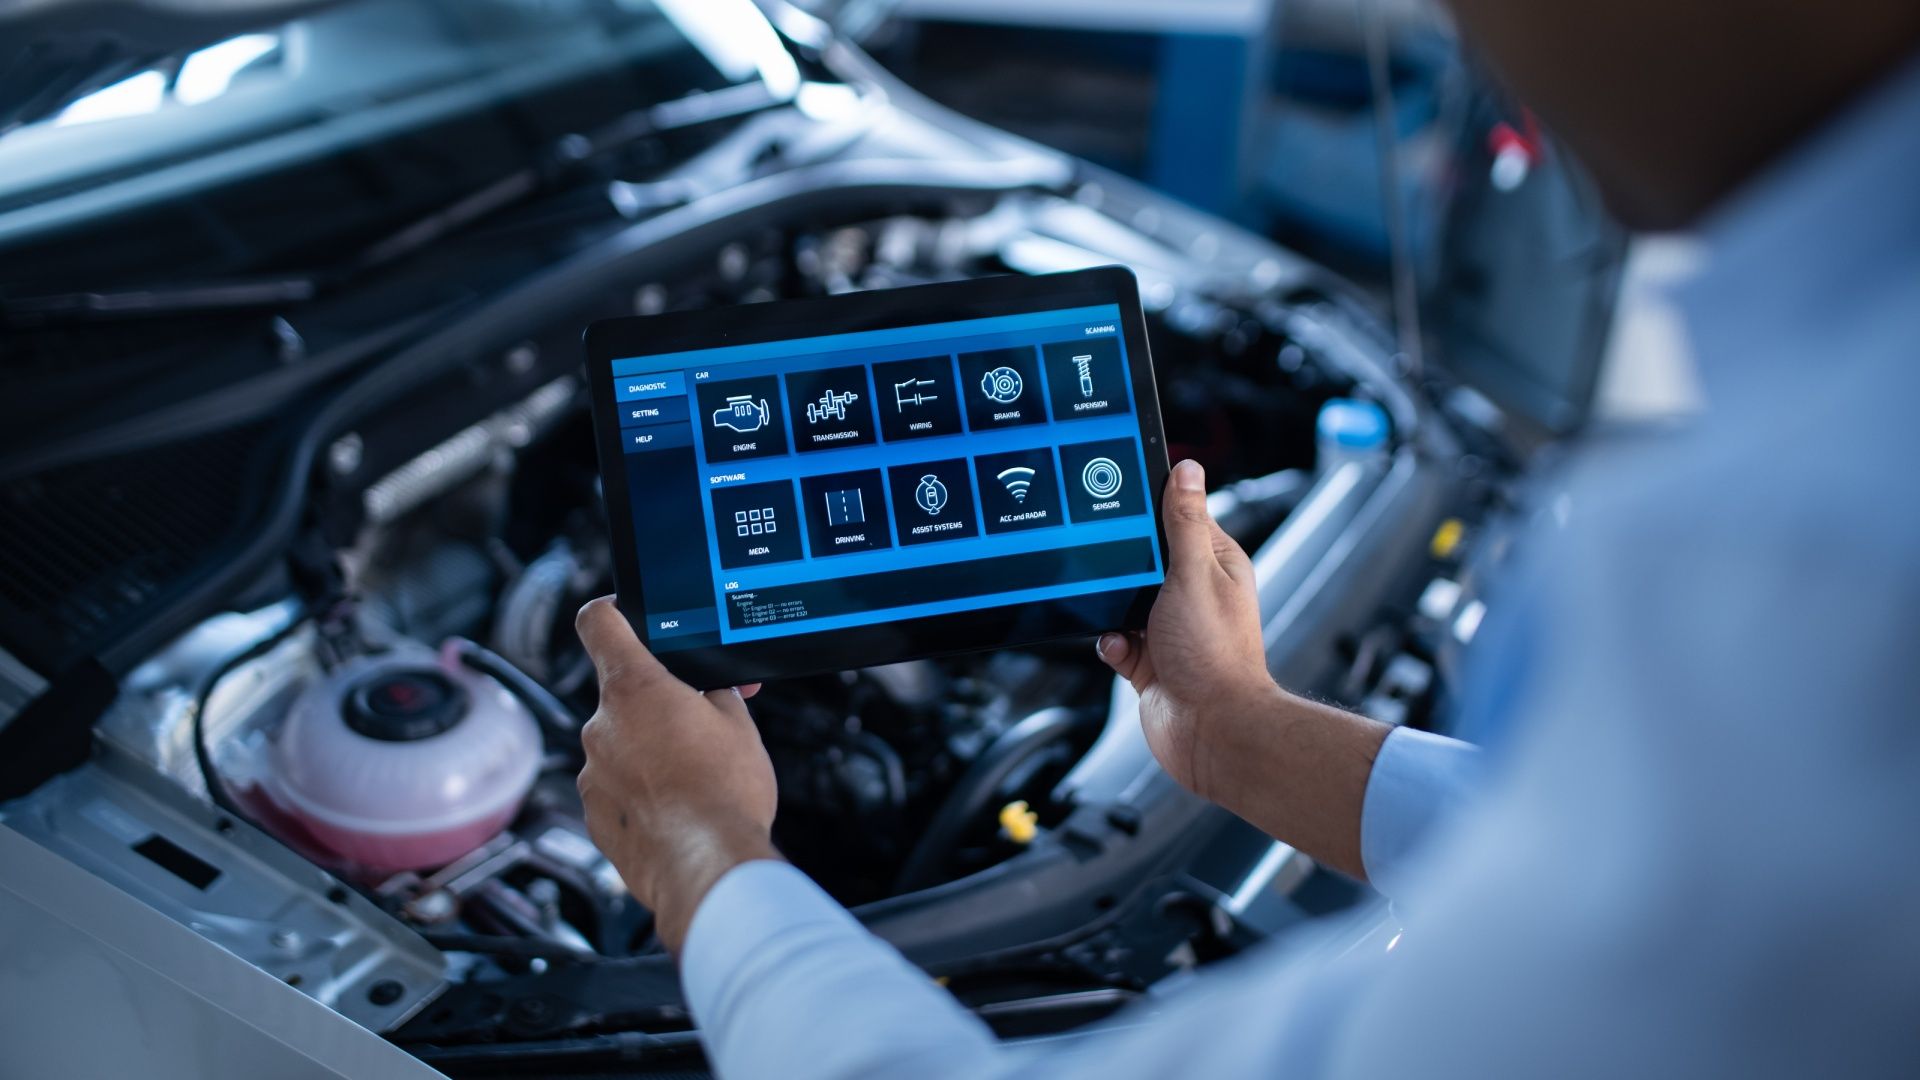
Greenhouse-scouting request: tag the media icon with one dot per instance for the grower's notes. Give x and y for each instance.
(743, 414)
(831, 406)
(930, 494)
(757, 522)
(1002, 385)
(914, 392)
(1102, 478)
(1018, 481)
(1083, 366)
(846, 507)
(765, 523)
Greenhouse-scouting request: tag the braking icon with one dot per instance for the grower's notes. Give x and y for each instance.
(1002, 384)
(743, 414)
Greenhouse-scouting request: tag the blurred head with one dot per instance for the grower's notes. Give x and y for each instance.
(1672, 104)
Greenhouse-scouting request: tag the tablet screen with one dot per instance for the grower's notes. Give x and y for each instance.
(823, 483)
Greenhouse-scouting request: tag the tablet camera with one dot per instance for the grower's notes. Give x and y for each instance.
(1002, 384)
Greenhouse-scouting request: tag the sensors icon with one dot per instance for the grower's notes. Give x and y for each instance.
(1018, 480)
(743, 414)
(1102, 478)
(1002, 384)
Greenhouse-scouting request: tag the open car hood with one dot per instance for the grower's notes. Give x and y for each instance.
(55, 51)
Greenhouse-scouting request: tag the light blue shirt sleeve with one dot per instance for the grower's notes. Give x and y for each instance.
(784, 982)
(1419, 779)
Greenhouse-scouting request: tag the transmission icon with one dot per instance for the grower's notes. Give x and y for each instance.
(1002, 384)
(930, 495)
(1102, 478)
(1018, 481)
(831, 406)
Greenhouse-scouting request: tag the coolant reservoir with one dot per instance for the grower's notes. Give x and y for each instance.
(402, 761)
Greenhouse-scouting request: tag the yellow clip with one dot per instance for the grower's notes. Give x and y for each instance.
(1018, 822)
(1446, 539)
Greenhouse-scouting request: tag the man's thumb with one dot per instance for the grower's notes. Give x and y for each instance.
(611, 642)
(1189, 527)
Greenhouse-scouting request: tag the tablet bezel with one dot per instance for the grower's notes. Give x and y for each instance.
(808, 653)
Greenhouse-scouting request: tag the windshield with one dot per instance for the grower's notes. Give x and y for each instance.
(290, 140)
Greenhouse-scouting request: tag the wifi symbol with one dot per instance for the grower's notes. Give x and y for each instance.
(1017, 479)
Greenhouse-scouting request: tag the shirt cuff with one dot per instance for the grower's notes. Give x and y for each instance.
(1418, 780)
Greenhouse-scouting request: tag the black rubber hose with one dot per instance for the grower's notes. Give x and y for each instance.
(549, 710)
(215, 789)
(979, 787)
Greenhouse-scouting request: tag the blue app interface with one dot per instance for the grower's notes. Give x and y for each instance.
(838, 481)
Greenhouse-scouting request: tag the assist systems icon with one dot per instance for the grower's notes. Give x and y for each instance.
(743, 414)
(930, 495)
(1002, 384)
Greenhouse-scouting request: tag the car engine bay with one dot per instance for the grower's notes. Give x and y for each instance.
(336, 732)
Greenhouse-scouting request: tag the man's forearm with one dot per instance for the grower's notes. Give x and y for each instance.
(1297, 770)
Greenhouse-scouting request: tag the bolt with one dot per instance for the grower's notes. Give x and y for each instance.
(522, 357)
(649, 300)
(346, 454)
(385, 992)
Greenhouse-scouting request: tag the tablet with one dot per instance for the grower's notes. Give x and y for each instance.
(820, 485)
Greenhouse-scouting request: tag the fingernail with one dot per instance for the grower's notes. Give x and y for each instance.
(1111, 647)
(1189, 476)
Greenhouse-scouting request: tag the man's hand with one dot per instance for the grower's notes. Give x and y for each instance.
(1214, 717)
(1201, 661)
(677, 786)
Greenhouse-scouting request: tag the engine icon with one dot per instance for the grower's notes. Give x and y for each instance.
(1002, 384)
(831, 406)
(1102, 478)
(930, 495)
(1018, 481)
(743, 414)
